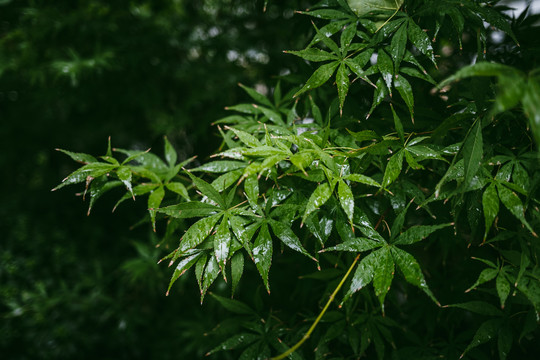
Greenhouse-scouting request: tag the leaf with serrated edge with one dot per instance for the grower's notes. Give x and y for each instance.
(207, 189)
(472, 153)
(222, 242)
(198, 232)
(418, 233)
(363, 275)
(262, 254)
(513, 203)
(411, 270)
(346, 199)
(485, 276)
(490, 204)
(393, 168)
(319, 77)
(237, 269)
(362, 179)
(384, 273)
(288, 237)
(321, 194)
(182, 267)
(154, 201)
(342, 82)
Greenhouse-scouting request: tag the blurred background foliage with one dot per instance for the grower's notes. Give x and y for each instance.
(73, 73)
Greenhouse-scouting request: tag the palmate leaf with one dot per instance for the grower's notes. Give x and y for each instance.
(182, 267)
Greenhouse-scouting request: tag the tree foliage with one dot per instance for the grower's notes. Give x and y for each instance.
(409, 153)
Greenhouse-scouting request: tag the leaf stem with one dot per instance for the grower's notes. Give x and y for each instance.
(308, 333)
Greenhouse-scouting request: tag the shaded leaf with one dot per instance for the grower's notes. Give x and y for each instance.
(411, 270)
(262, 254)
(418, 233)
(319, 77)
(321, 194)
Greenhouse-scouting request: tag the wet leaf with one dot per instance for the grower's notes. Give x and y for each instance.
(504, 341)
(364, 7)
(207, 189)
(384, 273)
(472, 153)
(321, 194)
(346, 198)
(386, 68)
(234, 342)
(319, 77)
(405, 90)
(490, 204)
(355, 244)
(170, 153)
(124, 174)
(288, 237)
(363, 179)
(393, 168)
(503, 288)
(94, 170)
(222, 242)
(485, 333)
(314, 54)
(363, 275)
(421, 40)
(485, 276)
(411, 270)
(513, 203)
(79, 157)
(378, 96)
(342, 82)
(478, 307)
(220, 166)
(258, 97)
(211, 272)
(182, 267)
(188, 209)
(398, 45)
(198, 232)
(154, 201)
(245, 137)
(233, 306)
(398, 125)
(418, 233)
(237, 269)
(262, 254)
(179, 189)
